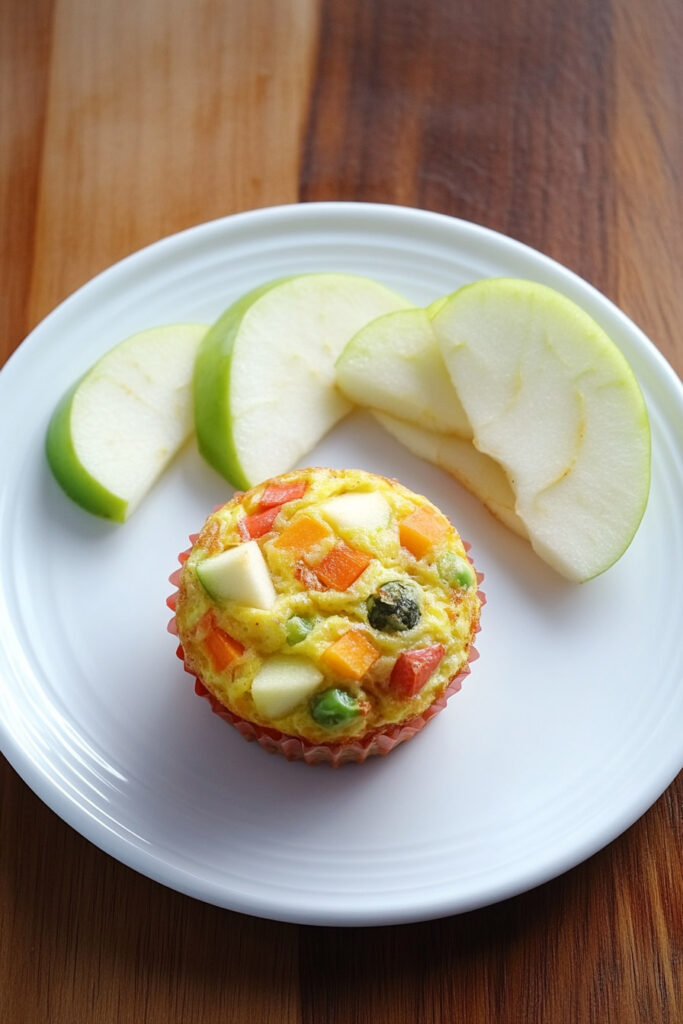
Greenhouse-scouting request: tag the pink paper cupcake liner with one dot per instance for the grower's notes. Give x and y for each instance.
(293, 748)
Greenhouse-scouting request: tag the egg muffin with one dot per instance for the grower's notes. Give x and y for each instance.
(327, 613)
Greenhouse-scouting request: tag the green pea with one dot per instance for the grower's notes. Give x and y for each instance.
(333, 707)
(455, 571)
(297, 629)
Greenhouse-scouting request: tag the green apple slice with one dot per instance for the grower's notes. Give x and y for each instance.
(239, 574)
(553, 400)
(394, 364)
(283, 682)
(475, 471)
(358, 511)
(264, 382)
(117, 428)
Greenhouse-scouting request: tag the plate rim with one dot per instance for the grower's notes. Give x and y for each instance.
(181, 879)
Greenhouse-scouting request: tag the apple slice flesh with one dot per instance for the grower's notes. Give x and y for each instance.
(553, 400)
(477, 472)
(394, 364)
(239, 574)
(282, 683)
(117, 428)
(366, 511)
(264, 382)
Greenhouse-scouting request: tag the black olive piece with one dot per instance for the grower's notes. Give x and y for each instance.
(394, 607)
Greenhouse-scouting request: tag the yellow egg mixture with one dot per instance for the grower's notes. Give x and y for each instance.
(448, 610)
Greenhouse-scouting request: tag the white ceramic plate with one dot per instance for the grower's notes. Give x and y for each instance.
(569, 727)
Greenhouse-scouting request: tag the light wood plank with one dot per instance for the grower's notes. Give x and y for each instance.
(163, 114)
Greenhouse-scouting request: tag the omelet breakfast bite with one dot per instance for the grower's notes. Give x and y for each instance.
(329, 608)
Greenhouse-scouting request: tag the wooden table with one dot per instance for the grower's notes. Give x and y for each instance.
(558, 123)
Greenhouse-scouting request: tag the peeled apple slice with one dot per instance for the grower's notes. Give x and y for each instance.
(553, 400)
(264, 382)
(478, 473)
(239, 574)
(118, 427)
(365, 511)
(282, 683)
(394, 365)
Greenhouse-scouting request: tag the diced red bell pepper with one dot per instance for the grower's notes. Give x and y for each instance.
(413, 669)
(278, 494)
(257, 524)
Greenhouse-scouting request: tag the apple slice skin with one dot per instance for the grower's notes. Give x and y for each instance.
(74, 478)
(214, 372)
(211, 382)
(70, 473)
(554, 401)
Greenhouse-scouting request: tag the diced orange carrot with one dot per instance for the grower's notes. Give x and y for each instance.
(341, 567)
(351, 655)
(421, 530)
(279, 494)
(205, 625)
(223, 649)
(302, 534)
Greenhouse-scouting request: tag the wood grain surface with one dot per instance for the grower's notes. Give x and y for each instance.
(558, 123)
